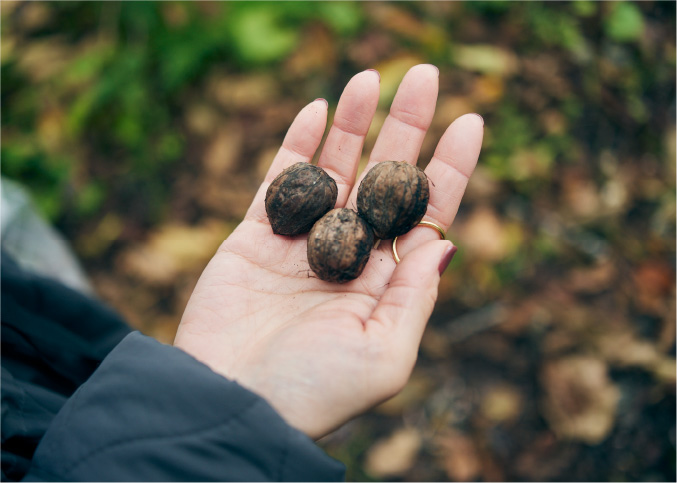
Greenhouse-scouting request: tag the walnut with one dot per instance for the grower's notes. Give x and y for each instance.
(339, 245)
(393, 197)
(298, 197)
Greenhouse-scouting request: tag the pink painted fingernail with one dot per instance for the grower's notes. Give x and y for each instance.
(377, 73)
(481, 118)
(446, 258)
(323, 100)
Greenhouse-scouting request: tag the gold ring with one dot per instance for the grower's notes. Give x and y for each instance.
(429, 224)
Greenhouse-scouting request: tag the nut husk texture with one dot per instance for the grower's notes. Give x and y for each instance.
(298, 197)
(339, 246)
(393, 197)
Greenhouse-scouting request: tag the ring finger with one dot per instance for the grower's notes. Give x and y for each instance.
(448, 171)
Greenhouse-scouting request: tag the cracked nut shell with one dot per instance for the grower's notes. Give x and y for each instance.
(339, 245)
(298, 197)
(393, 197)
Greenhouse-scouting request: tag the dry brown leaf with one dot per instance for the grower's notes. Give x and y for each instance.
(229, 199)
(580, 195)
(485, 235)
(173, 249)
(251, 91)
(175, 14)
(502, 403)
(488, 89)
(371, 48)
(317, 52)
(394, 455)
(94, 243)
(580, 400)
(624, 349)
(593, 279)
(223, 151)
(40, 60)
(450, 108)
(51, 126)
(554, 121)
(397, 20)
(654, 281)
(202, 120)
(487, 59)
(7, 7)
(33, 16)
(460, 458)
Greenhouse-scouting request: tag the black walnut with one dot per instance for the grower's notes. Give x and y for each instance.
(339, 245)
(393, 197)
(298, 197)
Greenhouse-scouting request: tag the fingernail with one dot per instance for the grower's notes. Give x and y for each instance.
(323, 100)
(446, 258)
(481, 118)
(377, 73)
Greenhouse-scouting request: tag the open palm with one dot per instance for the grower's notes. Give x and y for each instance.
(318, 352)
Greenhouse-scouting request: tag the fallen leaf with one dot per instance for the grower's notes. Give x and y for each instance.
(243, 92)
(654, 280)
(485, 58)
(459, 456)
(94, 243)
(202, 120)
(42, 60)
(173, 249)
(593, 279)
(394, 455)
(486, 235)
(228, 198)
(580, 194)
(223, 151)
(624, 349)
(450, 108)
(580, 400)
(488, 89)
(502, 403)
(317, 53)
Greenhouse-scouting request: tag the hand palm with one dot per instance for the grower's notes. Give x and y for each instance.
(319, 352)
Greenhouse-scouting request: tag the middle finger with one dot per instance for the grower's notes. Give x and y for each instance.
(405, 127)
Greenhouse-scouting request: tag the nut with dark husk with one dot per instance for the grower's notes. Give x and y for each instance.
(298, 197)
(339, 246)
(393, 197)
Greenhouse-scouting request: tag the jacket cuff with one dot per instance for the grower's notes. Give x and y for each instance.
(152, 412)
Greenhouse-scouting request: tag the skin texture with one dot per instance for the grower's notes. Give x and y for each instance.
(319, 352)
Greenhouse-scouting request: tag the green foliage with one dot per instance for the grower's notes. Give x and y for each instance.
(624, 22)
(121, 83)
(259, 34)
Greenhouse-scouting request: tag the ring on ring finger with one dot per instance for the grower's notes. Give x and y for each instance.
(429, 224)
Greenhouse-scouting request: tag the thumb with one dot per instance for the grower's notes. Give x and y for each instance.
(406, 305)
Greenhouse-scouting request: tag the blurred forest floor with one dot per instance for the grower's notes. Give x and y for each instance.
(144, 129)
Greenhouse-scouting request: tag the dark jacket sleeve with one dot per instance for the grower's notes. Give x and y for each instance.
(151, 412)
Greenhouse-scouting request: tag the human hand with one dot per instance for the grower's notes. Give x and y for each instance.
(321, 353)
